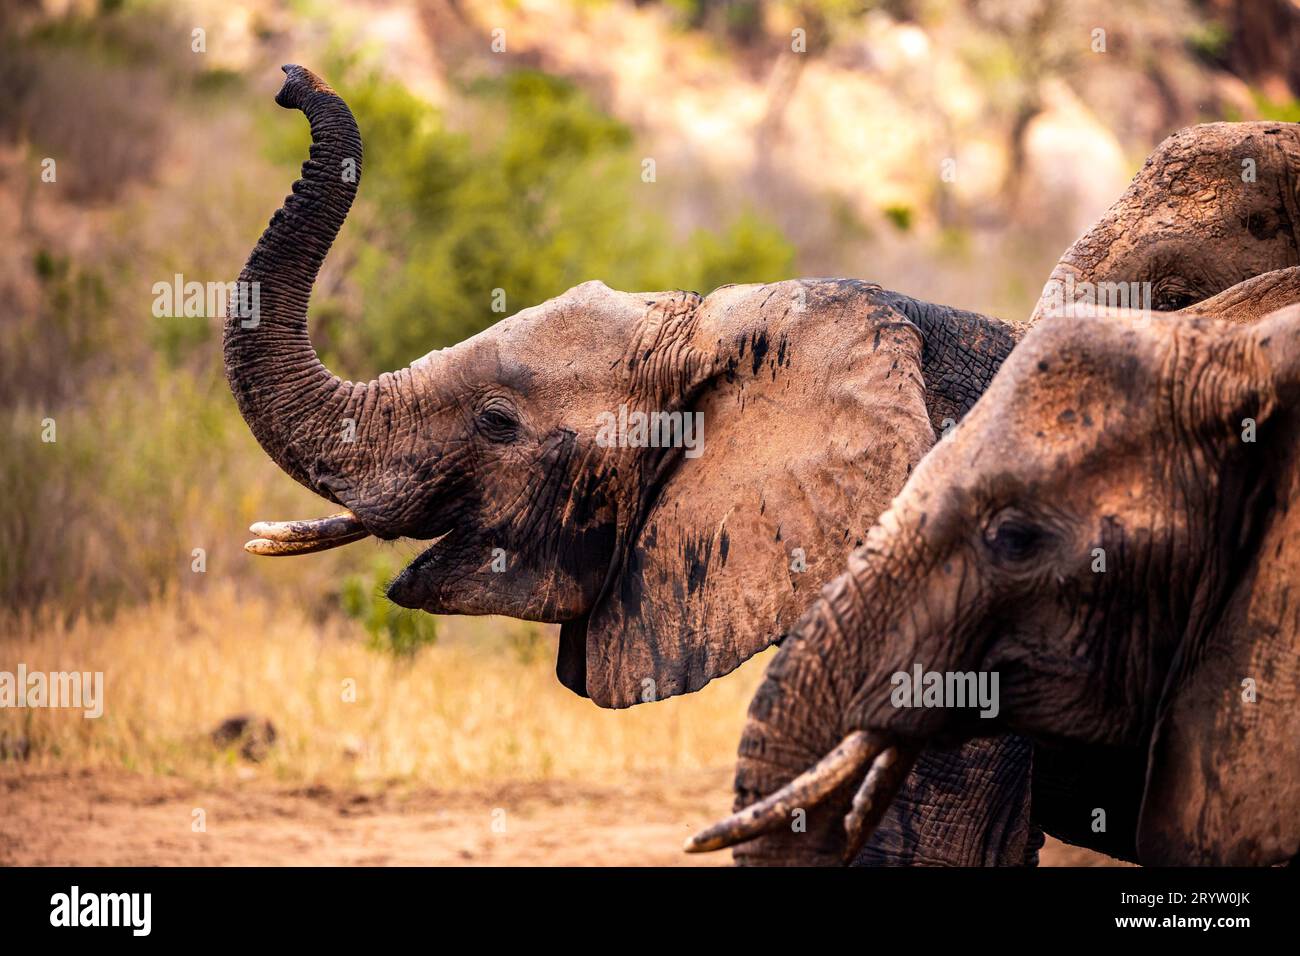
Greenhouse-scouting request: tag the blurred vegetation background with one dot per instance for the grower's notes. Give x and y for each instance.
(505, 149)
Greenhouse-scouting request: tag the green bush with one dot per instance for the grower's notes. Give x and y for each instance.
(900, 216)
(391, 629)
(548, 195)
(1284, 111)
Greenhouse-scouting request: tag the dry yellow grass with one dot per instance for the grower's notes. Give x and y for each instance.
(482, 705)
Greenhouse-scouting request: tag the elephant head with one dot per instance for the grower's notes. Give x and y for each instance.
(1108, 542)
(1213, 205)
(668, 477)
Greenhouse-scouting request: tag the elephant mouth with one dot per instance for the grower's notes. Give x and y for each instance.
(408, 588)
(277, 539)
(284, 538)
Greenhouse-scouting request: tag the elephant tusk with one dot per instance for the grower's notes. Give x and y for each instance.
(275, 549)
(854, 753)
(276, 538)
(886, 775)
(314, 529)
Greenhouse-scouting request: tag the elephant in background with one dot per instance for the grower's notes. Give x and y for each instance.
(1212, 206)
(1172, 448)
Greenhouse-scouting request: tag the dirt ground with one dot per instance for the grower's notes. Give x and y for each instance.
(100, 818)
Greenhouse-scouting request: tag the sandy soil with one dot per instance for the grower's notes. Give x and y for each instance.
(96, 818)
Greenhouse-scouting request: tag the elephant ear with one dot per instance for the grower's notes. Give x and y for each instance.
(813, 412)
(1223, 777)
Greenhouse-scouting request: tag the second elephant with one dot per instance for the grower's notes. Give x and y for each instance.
(1109, 540)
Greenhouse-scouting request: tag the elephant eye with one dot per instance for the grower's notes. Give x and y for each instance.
(498, 422)
(1014, 538)
(1172, 299)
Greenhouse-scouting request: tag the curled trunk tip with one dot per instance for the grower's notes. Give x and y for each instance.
(299, 83)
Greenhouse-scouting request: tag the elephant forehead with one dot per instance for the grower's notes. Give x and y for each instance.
(1213, 149)
(569, 335)
(1071, 393)
(1204, 172)
(583, 316)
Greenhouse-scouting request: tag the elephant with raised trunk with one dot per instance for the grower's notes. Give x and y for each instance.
(1111, 532)
(664, 569)
(665, 566)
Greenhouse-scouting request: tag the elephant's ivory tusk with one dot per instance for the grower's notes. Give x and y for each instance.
(314, 529)
(886, 775)
(276, 538)
(275, 549)
(846, 761)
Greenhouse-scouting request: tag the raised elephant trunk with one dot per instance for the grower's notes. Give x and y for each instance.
(327, 433)
(294, 405)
